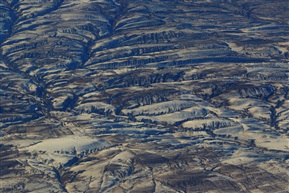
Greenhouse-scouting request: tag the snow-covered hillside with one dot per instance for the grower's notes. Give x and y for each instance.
(144, 96)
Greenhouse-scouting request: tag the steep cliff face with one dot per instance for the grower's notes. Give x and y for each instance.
(144, 96)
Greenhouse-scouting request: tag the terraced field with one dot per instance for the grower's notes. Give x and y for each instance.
(144, 96)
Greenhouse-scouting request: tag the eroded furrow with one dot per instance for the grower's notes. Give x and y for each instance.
(144, 96)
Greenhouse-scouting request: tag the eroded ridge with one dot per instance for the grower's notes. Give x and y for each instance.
(144, 96)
